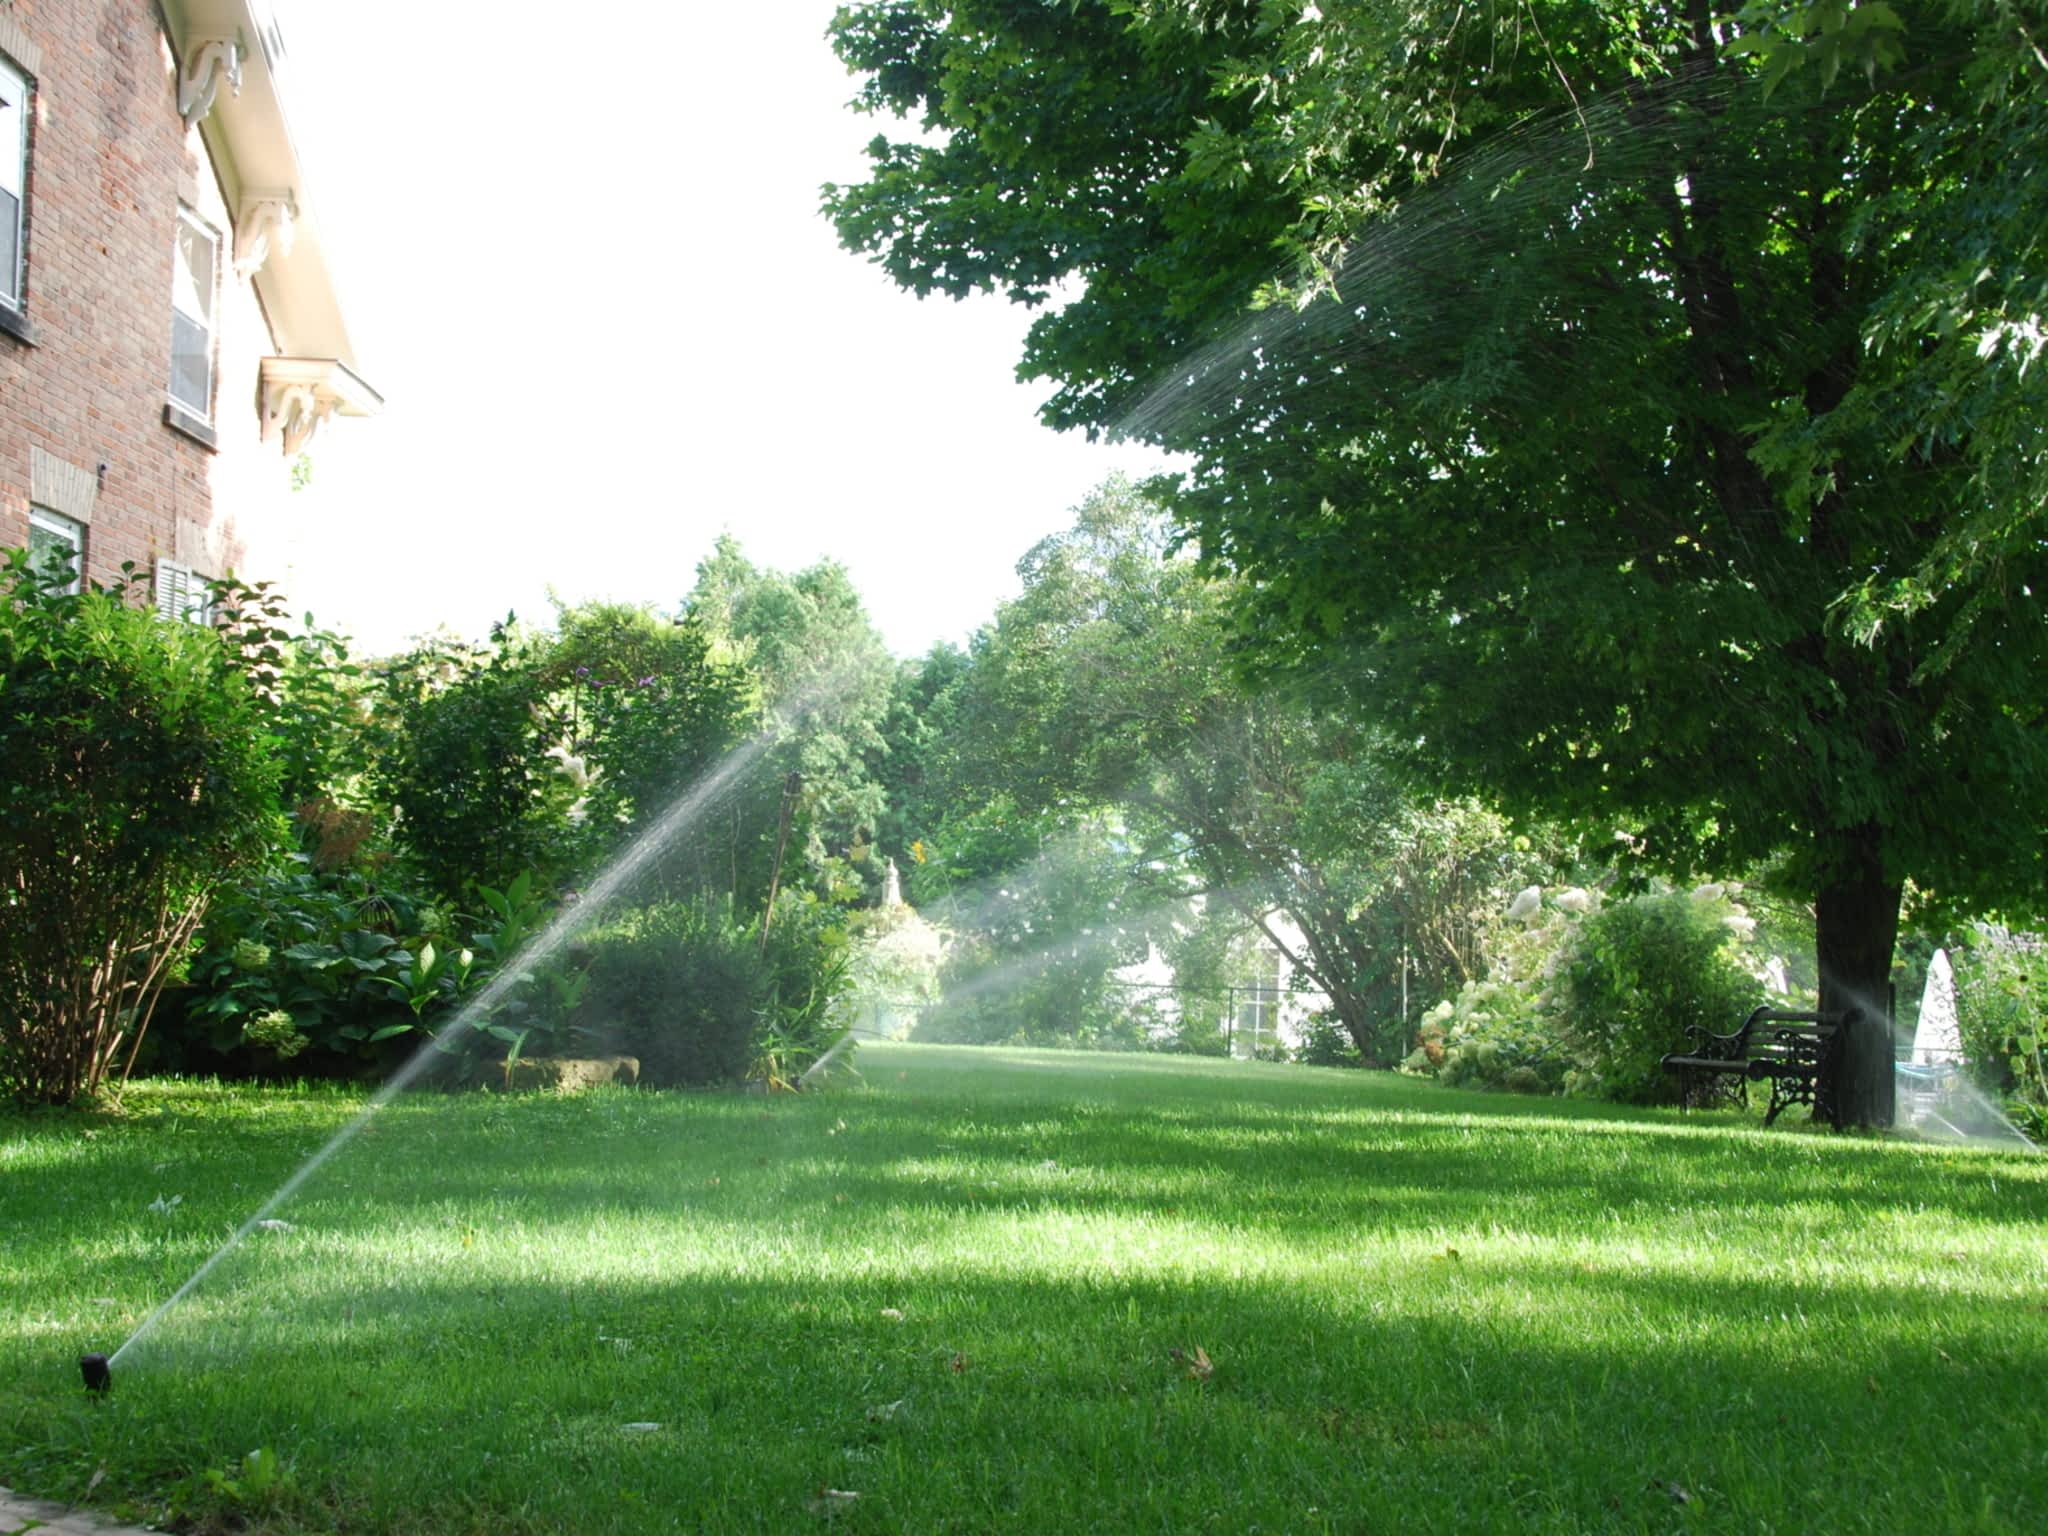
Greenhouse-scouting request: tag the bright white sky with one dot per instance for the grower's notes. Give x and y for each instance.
(580, 256)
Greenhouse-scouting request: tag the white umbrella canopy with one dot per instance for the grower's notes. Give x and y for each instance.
(1938, 1042)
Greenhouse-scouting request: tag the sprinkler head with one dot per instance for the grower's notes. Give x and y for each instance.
(98, 1375)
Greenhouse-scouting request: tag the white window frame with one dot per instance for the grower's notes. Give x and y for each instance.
(15, 96)
(209, 322)
(71, 531)
(181, 593)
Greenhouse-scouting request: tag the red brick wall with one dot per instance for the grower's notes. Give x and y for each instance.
(108, 157)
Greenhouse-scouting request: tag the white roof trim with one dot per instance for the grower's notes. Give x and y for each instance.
(250, 142)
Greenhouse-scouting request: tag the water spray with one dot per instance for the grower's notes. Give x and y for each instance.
(97, 1369)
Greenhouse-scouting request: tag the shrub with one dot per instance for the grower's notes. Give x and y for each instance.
(809, 981)
(681, 986)
(2002, 1016)
(1638, 975)
(1326, 1043)
(466, 766)
(1491, 1035)
(138, 779)
(321, 948)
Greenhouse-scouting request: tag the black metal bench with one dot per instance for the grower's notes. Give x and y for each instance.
(1799, 1054)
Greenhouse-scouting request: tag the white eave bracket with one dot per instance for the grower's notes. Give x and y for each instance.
(208, 61)
(265, 222)
(296, 394)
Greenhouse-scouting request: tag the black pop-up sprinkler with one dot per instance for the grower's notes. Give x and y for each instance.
(97, 1373)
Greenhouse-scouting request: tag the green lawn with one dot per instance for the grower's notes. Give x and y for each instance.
(957, 1289)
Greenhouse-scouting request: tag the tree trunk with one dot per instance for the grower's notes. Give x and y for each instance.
(1857, 924)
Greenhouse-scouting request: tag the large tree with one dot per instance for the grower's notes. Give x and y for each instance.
(1638, 411)
(1107, 686)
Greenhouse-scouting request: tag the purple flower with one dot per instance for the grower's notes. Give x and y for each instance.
(647, 682)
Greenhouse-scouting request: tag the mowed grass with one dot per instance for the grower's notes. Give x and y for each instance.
(970, 1290)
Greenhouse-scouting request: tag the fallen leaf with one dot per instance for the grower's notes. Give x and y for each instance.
(1198, 1364)
(883, 1413)
(893, 1314)
(1677, 1492)
(1870, 1385)
(830, 1501)
(93, 1482)
(959, 1362)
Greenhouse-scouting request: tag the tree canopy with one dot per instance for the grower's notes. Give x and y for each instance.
(1635, 410)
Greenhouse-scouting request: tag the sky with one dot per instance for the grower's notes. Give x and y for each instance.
(580, 257)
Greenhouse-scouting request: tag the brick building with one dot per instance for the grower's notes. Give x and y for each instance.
(169, 337)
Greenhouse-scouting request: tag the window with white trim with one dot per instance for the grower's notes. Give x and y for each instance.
(194, 276)
(13, 180)
(181, 593)
(56, 546)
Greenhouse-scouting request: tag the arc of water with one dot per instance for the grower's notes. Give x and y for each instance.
(566, 925)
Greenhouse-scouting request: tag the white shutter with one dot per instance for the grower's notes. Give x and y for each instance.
(180, 592)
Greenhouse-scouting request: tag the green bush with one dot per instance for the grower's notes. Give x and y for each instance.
(1640, 973)
(320, 948)
(465, 765)
(138, 780)
(1491, 1035)
(2002, 1016)
(1326, 1043)
(809, 976)
(681, 986)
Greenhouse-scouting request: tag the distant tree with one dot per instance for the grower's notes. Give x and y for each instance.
(826, 678)
(1108, 684)
(649, 705)
(1636, 409)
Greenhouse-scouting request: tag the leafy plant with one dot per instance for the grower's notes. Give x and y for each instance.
(1640, 973)
(680, 986)
(466, 763)
(313, 945)
(138, 780)
(1493, 1034)
(2002, 1016)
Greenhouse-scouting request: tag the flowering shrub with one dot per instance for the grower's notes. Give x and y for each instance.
(2002, 1015)
(1492, 1035)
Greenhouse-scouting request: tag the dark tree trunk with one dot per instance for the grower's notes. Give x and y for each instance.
(1857, 923)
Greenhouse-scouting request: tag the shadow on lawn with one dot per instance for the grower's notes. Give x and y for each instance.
(1058, 1400)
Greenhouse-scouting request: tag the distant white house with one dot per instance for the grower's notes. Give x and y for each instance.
(1267, 999)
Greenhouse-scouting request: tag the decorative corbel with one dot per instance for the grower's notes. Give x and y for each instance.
(295, 411)
(266, 221)
(210, 61)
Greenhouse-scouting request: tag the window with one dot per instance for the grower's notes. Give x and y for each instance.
(56, 546)
(192, 303)
(181, 593)
(13, 180)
